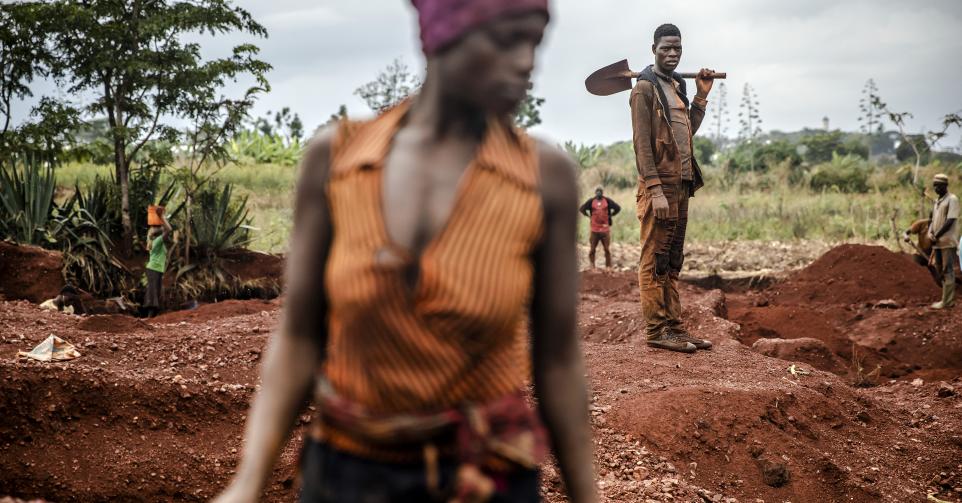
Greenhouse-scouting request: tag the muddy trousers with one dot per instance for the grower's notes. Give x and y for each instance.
(945, 264)
(662, 256)
(605, 239)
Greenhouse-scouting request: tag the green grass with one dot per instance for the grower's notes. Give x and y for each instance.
(778, 215)
(748, 207)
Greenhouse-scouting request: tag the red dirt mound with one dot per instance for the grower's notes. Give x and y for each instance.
(837, 300)
(804, 349)
(29, 272)
(607, 283)
(251, 266)
(852, 274)
(113, 324)
(217, 310)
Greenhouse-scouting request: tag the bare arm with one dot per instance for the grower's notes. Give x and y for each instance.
(615, 207)
(556, 353)
(296, 350)
(167, 229)
(696, 112)
(585, 208)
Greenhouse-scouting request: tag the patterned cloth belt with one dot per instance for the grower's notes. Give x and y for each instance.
(495, 437)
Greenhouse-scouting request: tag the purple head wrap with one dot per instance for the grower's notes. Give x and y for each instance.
(444, 21)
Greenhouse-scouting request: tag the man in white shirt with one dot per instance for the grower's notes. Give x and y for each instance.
(944, 233)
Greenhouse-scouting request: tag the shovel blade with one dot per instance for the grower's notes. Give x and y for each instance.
(609, 80)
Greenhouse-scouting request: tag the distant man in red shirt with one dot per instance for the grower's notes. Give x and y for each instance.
(600, 209)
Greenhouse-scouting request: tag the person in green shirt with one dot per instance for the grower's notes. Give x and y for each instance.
(159, 238)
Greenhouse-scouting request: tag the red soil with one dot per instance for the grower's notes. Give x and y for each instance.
(851, 274)
(29, 272)
(251, 265)
(158, 415)
(837, 301)
(216, 310)
(113, 324)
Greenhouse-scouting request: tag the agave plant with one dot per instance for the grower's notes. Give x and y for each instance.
(86, 247)
(26, 199)
(218, 223)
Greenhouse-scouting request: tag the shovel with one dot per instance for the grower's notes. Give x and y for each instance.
(617, 77)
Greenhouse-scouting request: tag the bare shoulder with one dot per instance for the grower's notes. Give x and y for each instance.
(317, 153)
(559, 175)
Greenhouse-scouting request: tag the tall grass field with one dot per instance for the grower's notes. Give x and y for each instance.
(743, 206)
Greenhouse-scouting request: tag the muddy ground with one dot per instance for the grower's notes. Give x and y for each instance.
(154, 410)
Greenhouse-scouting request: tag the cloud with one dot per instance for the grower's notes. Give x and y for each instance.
(806, 60)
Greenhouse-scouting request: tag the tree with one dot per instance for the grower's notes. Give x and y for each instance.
(529, 112)
(213, 124)
(25, 57)
(948, 122)
(391, 86)
(870, 120)
(395, 83)
(281, 124)
(749, 119)
(898, 118)
(721, 114)
(917, 143)
(131, 57)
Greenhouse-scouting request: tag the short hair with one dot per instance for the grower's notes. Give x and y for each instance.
(667, 30)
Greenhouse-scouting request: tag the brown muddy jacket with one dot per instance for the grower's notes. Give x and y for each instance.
(656, 154)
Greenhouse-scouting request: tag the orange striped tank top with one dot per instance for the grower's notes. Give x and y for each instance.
(457, 336)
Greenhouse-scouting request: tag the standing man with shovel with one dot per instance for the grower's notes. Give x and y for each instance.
(664, 121)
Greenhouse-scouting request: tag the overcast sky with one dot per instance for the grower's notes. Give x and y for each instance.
(806, 59)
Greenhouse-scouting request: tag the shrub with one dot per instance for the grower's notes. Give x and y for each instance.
(847, 173)
(765, 156)
(257, 147)
(822, 145)
(704, 150)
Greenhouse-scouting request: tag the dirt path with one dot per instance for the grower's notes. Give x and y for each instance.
(155, 411)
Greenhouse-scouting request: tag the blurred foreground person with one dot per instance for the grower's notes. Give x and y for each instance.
(420, 241)
(944, 235)
(600, 209)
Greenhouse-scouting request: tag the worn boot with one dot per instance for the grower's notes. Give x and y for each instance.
(666, 339)
(948, 295)
(683, 335)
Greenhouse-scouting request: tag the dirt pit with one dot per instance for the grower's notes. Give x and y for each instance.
(29, 272)
(868, 305)
(158, 415)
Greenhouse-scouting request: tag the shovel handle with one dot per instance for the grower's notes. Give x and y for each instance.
(721, 75)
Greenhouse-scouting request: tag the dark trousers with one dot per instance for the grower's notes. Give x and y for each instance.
(662, 256)
(155, 285)
(605, 239)
(331, 476)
